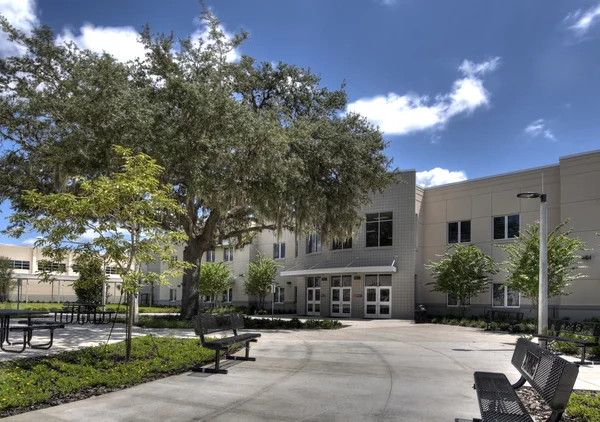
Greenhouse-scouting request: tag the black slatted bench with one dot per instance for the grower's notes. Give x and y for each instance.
(207, 324)
(551, 376)
(27, 331)
(557, 328)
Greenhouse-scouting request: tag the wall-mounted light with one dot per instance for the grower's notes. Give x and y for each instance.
(323, 278)
(586, 257)
(289, 282)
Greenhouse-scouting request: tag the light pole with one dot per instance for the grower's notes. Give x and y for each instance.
(273, 286)
(543, 277)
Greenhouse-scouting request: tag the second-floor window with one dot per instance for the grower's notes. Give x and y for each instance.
(279, 294)
(111, 270)
(51, 266)
(459, 232)
(347, 244)
(380, 229)
(228, 254)
(278, 250)
(20, 265)
(313, 243)
(210, 256)
(506, 227)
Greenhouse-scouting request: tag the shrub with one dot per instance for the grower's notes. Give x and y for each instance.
(584, 407)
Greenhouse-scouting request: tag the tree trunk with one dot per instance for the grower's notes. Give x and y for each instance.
(130, 317)
(190, 298)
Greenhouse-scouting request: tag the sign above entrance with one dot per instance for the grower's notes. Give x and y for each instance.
(357, 295)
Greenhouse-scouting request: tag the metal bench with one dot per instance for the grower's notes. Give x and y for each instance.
(27, 331)
(551, 376)
(557, 328)
(208, 324)
(512, 317)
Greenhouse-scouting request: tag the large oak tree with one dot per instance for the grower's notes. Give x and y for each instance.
(247, 146)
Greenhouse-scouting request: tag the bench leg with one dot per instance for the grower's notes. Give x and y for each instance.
(582, 361)
(216, 369)
(44, 346)
(24, 343)
(247, 357)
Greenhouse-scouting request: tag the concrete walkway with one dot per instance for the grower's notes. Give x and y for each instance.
(384, 370)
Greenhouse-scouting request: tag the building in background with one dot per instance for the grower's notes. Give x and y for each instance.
(379, 272)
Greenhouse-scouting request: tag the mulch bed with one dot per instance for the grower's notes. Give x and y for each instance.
(538, 409)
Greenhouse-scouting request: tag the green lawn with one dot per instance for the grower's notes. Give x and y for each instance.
(109, 307)
(29, 382)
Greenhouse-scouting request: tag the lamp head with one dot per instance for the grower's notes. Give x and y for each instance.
(528, 195)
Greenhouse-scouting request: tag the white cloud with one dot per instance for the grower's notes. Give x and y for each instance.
(439, 176)
(21, 15)
(580, 22)
(30, 242)
(411, 112)
(121, 42)
(539, 128)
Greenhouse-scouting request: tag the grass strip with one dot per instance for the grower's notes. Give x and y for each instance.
(27, 383)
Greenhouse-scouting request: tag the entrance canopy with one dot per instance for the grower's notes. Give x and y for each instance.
(377, 269)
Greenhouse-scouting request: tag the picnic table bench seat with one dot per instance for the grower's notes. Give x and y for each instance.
(551, 377)
(27, 331)
(207, 324)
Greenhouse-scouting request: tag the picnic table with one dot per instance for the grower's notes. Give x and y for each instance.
(80, 313)
(27, 330)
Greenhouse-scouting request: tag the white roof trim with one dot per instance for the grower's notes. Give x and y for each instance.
(341, 270)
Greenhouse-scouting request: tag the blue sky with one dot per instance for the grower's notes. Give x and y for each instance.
(461, 89)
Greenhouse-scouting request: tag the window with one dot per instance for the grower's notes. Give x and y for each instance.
(459, 232)
(172, 294)
(20, 265)
(504, 295)
(228, 254)
(228, 295)
(313, 243)
(506, 227)
(52, 266)
(453, 301)
(75, 268)
(347, 244)
(111, 270)
(210, 256)
(296, 246)
(279, 294)
(313, 282)
(278, 250)
(379, 229)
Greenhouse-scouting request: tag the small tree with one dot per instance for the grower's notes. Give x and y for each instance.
(46, 273)
(463, 272)
(92, 278)
(523, 262)
(261, 274)
(124, 210)
(7, 278)
(214, 279)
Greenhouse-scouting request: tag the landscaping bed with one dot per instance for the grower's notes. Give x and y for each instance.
(249, 323)
(35, 383)
(49, 307)
(584, 406)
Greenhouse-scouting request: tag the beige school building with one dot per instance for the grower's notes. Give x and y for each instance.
(379, 272)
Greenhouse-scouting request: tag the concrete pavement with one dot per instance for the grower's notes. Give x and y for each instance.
(385, 370)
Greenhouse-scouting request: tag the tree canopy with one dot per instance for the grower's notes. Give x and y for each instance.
(246, 146)
(462, 272)
(7, 278)
(523, 262)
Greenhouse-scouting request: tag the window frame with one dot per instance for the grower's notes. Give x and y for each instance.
(316, 243)
(378, 221)
(280, 249)
(458, 302)
(346, 244)
(21, 265)
(172, 294)
(506, 216)
(108, 270)
(227, 295)
(459, 228)
(505, 301)
(210, 256)
(279, 295)
(54, 267)
(228, 255)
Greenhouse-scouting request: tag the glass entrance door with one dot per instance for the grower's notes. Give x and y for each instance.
(313, 296)
(378, 296)
(341, 295)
